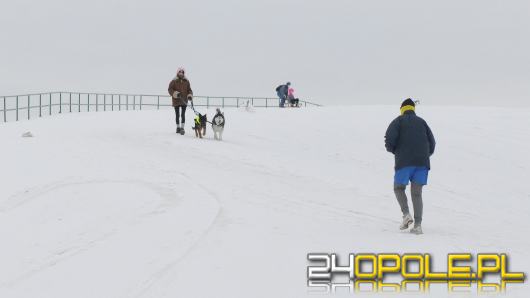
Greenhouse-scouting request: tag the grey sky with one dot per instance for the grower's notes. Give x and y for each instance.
(335, 51)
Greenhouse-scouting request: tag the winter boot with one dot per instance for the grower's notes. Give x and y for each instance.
(182, 129)
(407, 220)
(416, 230)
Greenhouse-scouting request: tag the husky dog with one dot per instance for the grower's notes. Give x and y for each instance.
(200, 125)
(218, 125)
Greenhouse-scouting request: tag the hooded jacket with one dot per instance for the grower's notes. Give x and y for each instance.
(282, 91)
(183, 87)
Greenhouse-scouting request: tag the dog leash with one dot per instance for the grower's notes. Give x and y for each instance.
(193, 108)
(195, 111)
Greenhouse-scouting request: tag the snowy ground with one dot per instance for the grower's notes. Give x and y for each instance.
(116, 205)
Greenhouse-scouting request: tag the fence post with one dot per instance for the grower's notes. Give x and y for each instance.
(223, 102)
(158, 103)
(266, 102)
(119, 102)
(88, 102)
(60, 103)
(252, 102)
(207, 102)
(104, 102)
(70, 102)
(50, 109)
(40, 105)
(5, 112)
(134, 102)
(141, 99)
(79, 103)
(17, 109)
(127, 102)
(29, 110)
(97, 102)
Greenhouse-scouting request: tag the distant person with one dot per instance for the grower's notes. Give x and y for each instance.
(180, 91)
(293, 101)
(411, 141)
(282, 92)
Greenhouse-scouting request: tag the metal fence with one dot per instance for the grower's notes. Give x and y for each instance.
(28, 106)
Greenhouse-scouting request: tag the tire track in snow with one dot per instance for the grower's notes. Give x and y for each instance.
(81, 245)
(144, 289)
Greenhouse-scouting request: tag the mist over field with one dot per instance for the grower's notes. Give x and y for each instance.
(334, 52)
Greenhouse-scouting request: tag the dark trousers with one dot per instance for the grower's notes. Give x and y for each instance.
(180, 110)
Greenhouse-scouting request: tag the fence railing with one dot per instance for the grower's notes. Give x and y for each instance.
(28, 106)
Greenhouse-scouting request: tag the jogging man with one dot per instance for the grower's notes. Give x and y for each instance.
(411, 141)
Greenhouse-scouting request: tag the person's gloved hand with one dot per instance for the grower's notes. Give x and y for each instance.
(176, 94)
(190, 97)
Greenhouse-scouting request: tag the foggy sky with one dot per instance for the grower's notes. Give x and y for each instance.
(472, 52)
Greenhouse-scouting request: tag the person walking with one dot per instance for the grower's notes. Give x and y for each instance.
(282, 92)
(412, 142)
(180, 91)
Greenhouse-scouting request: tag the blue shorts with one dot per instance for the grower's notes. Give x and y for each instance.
(417, 175)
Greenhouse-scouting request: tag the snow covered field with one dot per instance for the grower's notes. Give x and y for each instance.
(116, 204)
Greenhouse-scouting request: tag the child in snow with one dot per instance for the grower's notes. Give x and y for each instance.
(292, 100)
(411, 141)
